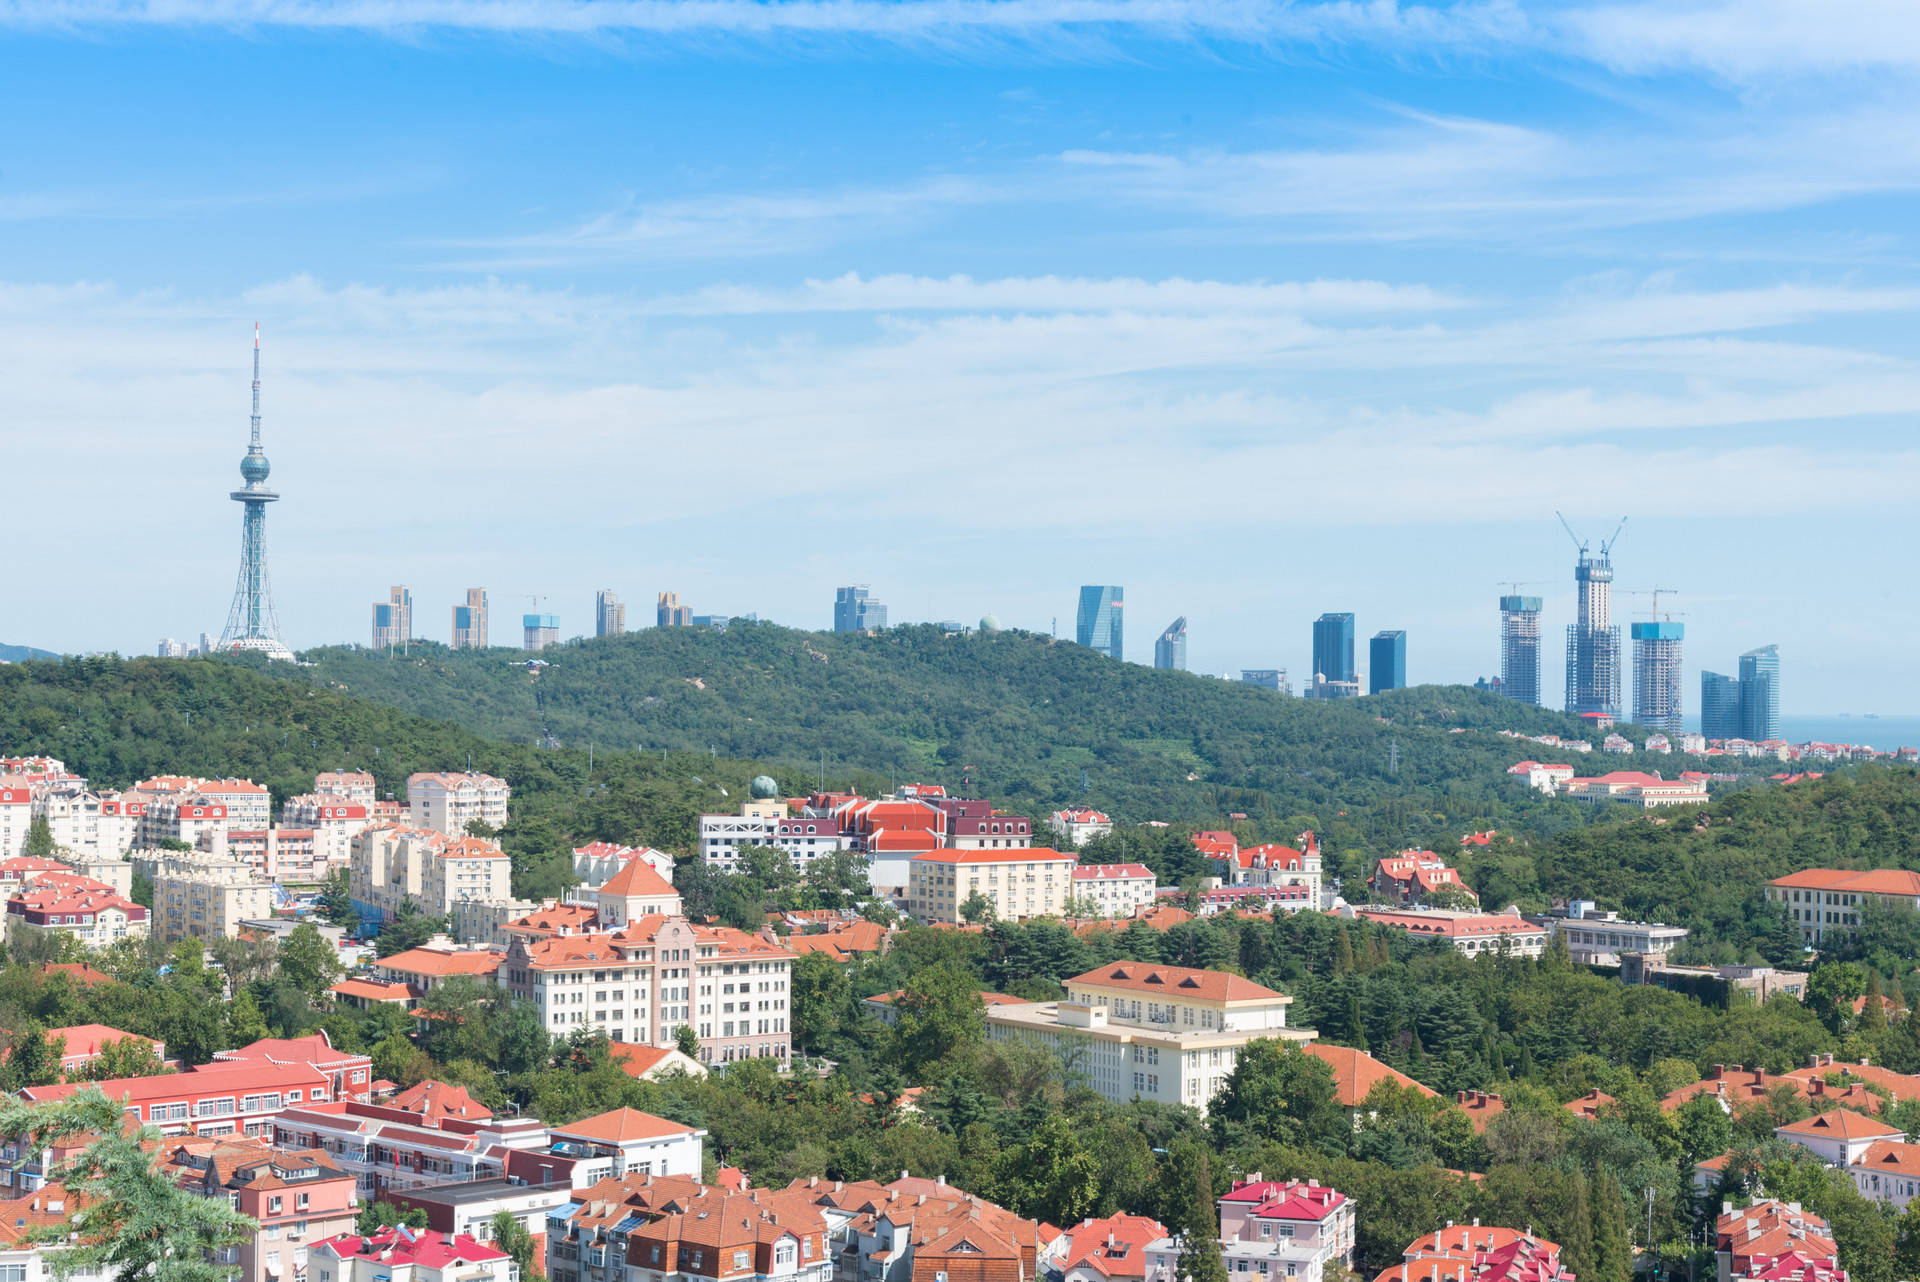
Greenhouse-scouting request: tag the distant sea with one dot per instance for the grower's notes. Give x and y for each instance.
(1885, 733)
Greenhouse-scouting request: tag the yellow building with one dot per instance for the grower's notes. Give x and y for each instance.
(1016, 883)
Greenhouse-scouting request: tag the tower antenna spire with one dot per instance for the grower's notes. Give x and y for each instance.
(256, 386)
(251, 624)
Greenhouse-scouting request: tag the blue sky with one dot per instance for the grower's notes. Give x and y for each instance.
(1259, 310)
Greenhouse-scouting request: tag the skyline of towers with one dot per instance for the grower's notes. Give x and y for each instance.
(1170, 651)
(1658, 676)
(1593, 639)
(609, 614)
(393, 619)
(1387, 661)
(855, 610)
(1520, 648)
(251, 621)
(1747, 706)
(470, 621)
(1101, 622)
(1333, 657)
(669, 613)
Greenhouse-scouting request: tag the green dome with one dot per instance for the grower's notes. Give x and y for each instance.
(254, 467)
(990, 623)
(763, 788)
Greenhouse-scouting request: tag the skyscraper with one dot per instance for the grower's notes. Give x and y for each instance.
(1267, 679)
(1101, 623)
(1387, 662)
(393, 619)
(538, 631)
(1593, 640)
(251, 624)
(1170, 651)
(669, 613)
(1657, 701)
(1333, 647)
(470, 621)
(609, 614)
(1520, 648)
(1720, 706)
(1760, 694)
(856, 611)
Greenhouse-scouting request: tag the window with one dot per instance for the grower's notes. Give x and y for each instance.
(740, 1259)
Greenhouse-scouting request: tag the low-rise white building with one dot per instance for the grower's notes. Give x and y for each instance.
(1839, 1136)
(401, 1254)
(1888, 1171)
(1598, 939)
(1114, 890)
(1469, 933)
(1077, 825)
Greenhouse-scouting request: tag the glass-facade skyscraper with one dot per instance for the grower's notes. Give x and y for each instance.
(1520, 648)
(856, 611)
(1760, 694)
(470, 621)
(1333, 647)
(393, 619)
(1657, 703)
(1100, 624)
(1170, 651)
(1387, 662)
(1720, 706)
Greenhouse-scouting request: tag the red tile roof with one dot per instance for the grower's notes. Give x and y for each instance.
(1177, 981)
(1879, 881)
(440, 961)
(1113, 1247)
(420, 1247)
(638, 879)
(1355, 1072)
(623, 1124)
(1017, 855)
(1838, 1123)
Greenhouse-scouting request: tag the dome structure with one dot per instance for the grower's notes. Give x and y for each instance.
(763, 788)
(990, 623)
(254, 468)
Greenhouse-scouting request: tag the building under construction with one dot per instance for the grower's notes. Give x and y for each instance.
(1593, 640)
(1520, 648)
(1657, 703)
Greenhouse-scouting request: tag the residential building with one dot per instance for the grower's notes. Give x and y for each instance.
(856, 611)
(425, 968)
(682, 1231)
(221, 1098)
(1477, 1253)
(1077, 825)
(1596, 938)
(296, 1198)
(401, 1254)
(671, 614)
(651, 1063)
(429, 1135)
(1737, 1088)
(1593, 639)
(1015, 884)
(468, 1206)
(1635, 788)
(657, 975)
(1112, 1249)
(1100, 623)
(1773, 1241)
(393, 620)
(1170, 651)
(1839, 1136)
(638, 1143)
(278, 854)
(1387, 662)
(90, 912)
(1113, 890)
(1520, 648)
(1164, 1033)
(1356, 1073)
(447, 801)
(596, 861)
(334, 822)
(1657, 676)
(355, 787)
(470, 621)
(1333, 649)
(609, 614)
(1760, 694)
(1824, 901)
(1468, 933)
(1273, 1229)
(976, 825)
(538, 631)
(349, 1074)
(202, 896)
(81, 1044)
(1416, 876)
(1888, 1171)
(1898, 1086)
(804, 837)
(917, 1230)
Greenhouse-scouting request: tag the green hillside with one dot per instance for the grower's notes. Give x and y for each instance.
(1029, 722)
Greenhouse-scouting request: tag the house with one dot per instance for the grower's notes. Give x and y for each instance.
(637, 1142)
(1480, 1107)
(916, 1229)
(401, 1254)
(1355, 1073)
(1477, 1253)
(1077, 825)
(1415, 876)
(1901, 1086)
(297, 1199)
(83, 1043)
(1275, 1229)
(650, 1063)
(1113, 1249)
(89, 911)
(1541, 778)
(1588, 1106)
(1823, 901)
(1471, 934)
(1736, 1088)
(679, 1230)
(425, 968)
(1165, 1033)
(1774, 1241)
(1888, 1171)
(1838, 1136)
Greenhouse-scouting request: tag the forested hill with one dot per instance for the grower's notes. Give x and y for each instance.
(1030, 722)
(117, 721)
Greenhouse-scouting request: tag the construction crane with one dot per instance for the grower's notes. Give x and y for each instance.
(536, 598)
(1655, 594)
(1606, 545)
(1514, 585)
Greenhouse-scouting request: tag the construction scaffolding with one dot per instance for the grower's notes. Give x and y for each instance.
(1520, 648)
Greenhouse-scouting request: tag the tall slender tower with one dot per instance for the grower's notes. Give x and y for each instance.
(1593, 639)
(1520, 647)
(251, 624)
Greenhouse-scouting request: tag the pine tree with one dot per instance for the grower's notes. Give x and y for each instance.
(1343, 952)
(1873, 1012)
(1356, 1021)
(39, 839)
(1612, 1242)
(1200, 1243)
(1576, 1229)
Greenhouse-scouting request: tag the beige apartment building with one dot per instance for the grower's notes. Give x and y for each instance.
(203, 896)
(392, 864)
(1018, 883)
(450, 800)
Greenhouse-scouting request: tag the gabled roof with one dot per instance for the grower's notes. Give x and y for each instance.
(434, 1101)
(622, 1125)
(1355, 1072)
(1114, 1247)
(1177, 982)
(441, 961)
(1838, 1123)
(1892, 1157)
(1879, 881)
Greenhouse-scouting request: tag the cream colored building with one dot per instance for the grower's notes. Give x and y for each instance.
(391, 864)
(1164, 1033)
(1019, 883)
(450, 800)
(203, 896)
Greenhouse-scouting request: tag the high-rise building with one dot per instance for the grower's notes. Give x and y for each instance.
(1720, 706)
(1657, 701)
(1520, 648)
(1267, 679)
(671, 614)
(470, 621)
(609, 614)
(538, 631)
(1760, 694)
(1333, 647)
(1387, 662)
(393, 619)
(1101, 622)
(856, 611)
(251, 624)
(170, 649)
(1593, 640)
(1170, 651)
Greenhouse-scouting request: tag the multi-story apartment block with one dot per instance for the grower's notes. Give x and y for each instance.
(296, 1198)
(386, 1148)
(657, 975)
(1468, 933)
(470, 621)
(391, 865)
(450, 800)
(221, 1098)
(355, 787)
(1273, 1229)
(91, 912)
(597, 861)
(1016, 884)
(1077, 825)
(766, 821)
(334, 821)
(976, 825)
(1477, 1253)
(16, 814)
(202, 896)
(1115, 890)
(401, 1254)
(918, 1228)
(1828, 901)
(274, 854)
(1164, 1033)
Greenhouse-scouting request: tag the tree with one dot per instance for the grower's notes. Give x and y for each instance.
(1200, 1231)
(33, 1060)
(336, 900)
(409, 927)
(122, 1057)
(820, 989)
(1612, 1240)
(511, 1236)
(687, 1041)
(938, 1012)
(1278, 1093)
(385, 1215)
(308, 961)
(1831, 989)
(1052, 1176)
(138, 1225)
(976, 908)
(39, 843)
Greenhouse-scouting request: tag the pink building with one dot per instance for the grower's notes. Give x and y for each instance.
(410, 1255)
(1274, 1229)
(299, 1197)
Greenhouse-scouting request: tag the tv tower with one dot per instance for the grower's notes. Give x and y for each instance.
(250, 623)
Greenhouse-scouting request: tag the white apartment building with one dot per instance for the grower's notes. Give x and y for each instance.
(804, 837)
(1824, 901)
(450, 800)
(355, 787)
(597, 861)
(1115, 890)
(1077, 825)
(1889, 1171)
(1164, 1033)
(334, 822)
(643, 983)
(1017, 884)
(202, 896)
(1272, 1230)
(391, 864)
(1597, 939)
(16, 814)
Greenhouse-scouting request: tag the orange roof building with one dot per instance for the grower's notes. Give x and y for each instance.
(1821, 901)
(1355, 1073)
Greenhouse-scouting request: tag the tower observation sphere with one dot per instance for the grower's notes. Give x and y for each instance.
(254, 468)
(251, 624)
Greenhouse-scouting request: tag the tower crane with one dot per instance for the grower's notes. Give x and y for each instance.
(1655, 593)
(1606, 545)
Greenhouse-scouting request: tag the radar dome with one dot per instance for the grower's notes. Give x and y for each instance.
(254, 468)
(990, 623)
(763, 788)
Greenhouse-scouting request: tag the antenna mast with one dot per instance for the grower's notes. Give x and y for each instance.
(256, 385)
